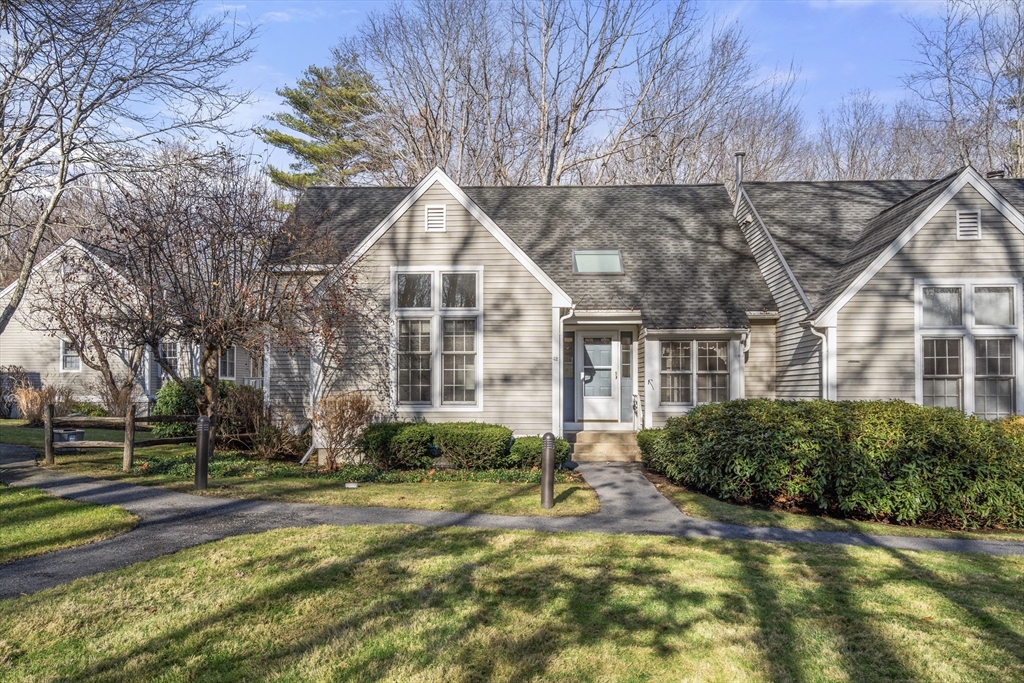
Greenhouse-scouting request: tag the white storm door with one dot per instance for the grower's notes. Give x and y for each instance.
(599, 375)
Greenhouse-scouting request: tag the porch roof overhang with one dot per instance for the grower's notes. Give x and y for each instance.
(605, 317)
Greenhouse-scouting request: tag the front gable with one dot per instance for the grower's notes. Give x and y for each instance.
(435, 191)
(967, 192)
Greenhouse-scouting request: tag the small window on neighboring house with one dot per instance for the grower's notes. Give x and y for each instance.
(436, 217)
(676, 369)
(169, 353)
(597, 262)
(943, 373)
(712, 372)
(968, 225)
(256, 364)
(70, 361)
(226, 366)
(994, 378)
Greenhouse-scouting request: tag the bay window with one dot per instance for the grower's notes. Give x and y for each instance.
(438, 326)
(969, 341)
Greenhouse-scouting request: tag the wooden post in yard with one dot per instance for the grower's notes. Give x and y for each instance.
(128, 461)
(48, 434)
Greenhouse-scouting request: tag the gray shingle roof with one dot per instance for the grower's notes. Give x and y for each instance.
(878, 233)
(817, 225)
(686, 262)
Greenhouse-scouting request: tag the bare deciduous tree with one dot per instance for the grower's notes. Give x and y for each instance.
(83, 83)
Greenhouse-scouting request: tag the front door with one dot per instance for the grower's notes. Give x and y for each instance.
(599, 375)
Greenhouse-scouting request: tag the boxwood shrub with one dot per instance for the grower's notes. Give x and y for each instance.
(883, 460)
(473, 445)
(398, 445)
(409, 445)
(527, 450)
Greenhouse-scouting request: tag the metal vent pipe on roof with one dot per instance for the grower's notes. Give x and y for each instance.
(995, 174)
(739, 167)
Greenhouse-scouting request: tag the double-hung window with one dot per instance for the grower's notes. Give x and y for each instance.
(70, 361)
(226, 364)
(169, 353)
(694, 368)
(438, 336)
(968, 343)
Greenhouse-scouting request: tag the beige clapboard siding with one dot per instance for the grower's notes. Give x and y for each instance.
(759, 369)
(797, 360)
(517, 346)
(875, 343)
(39, 355)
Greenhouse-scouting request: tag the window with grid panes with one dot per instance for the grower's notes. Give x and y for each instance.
(414, 361)
(712, 372)
(943, 373)
(438, 326)
(994, 378)
(676, 371)
(459, 358)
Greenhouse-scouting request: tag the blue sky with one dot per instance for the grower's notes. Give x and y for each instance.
(837, 45)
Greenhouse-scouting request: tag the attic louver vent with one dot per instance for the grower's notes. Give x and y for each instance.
(968, 225)
(437, 218)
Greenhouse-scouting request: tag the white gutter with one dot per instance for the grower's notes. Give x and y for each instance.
(824, 360)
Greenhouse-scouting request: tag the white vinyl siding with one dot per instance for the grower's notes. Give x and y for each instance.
(70, 361)
(877, 349)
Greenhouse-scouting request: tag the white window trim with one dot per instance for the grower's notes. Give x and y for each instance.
(444, 217)
(64, 344)
(969, 332)
(652, 355)
(234, 364)
(436, 313)
(977, 215)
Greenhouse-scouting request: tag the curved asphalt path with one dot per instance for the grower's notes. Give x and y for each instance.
(171, 521)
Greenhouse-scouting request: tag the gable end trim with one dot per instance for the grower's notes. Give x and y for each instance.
(827, 316)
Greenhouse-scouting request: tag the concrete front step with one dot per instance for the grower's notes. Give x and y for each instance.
(605, 447)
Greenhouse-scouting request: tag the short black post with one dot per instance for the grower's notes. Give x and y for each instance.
(202, 451)
(547, 472)
(48, 434)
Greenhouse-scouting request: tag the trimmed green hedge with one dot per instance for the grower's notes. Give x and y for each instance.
(883, 460)
(465, 445)
(398, 445)
(527, 450)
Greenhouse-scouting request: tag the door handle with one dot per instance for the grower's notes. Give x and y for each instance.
(616, 374)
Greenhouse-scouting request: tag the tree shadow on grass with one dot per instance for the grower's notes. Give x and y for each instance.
(465, 604)
(464, 615)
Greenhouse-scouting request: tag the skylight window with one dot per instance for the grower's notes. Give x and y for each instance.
(597, 262)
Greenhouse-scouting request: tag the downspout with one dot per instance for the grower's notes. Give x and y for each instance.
(824, 360)
(561, 383)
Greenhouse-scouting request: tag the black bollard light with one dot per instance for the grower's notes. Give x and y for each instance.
(202, 451)
(547, 472)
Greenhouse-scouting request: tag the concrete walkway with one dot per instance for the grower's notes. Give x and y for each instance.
(171, 521)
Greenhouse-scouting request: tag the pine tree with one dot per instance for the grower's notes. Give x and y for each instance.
(329, 109)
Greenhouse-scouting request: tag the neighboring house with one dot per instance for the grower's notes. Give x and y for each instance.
(48, 358)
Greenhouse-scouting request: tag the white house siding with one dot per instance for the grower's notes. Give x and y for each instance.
(759, 369)
(516, 312)
(875, 342)
(797, 360)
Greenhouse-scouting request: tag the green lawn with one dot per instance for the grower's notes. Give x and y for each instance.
(239, 477)
(705, 507)
(415, 604)
(33, 522)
